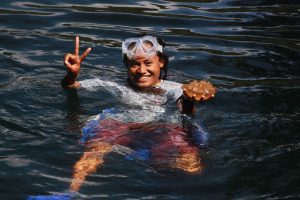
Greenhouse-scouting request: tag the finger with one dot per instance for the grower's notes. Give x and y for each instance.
(66, 60)
(87, 51)
(195, 97)
(187, 94)
(209, 96)
(198, 98)
(76, 52)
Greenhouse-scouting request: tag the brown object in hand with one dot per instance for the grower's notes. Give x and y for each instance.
(199, 90)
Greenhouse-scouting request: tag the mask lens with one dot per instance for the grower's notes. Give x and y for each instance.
(147, 44)
(131, 46)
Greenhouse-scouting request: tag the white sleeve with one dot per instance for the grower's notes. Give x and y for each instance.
(173, 89)
(174, 94)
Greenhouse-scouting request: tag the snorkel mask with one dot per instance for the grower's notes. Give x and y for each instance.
(145, 46)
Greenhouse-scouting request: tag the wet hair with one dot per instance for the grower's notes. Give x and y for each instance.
(163, 57)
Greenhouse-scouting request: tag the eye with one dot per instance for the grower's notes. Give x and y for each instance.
(148, 63)
(133, 64)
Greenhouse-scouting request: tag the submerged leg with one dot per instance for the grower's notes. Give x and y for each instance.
(89, 162)
(181, 157)
(188, 158)
(178, 151)
(189, 162)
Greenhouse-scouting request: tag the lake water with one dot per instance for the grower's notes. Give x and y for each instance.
(248, 49)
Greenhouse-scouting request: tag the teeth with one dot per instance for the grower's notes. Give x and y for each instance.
(142, 78)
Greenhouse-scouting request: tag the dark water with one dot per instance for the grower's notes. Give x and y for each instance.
(249, 49)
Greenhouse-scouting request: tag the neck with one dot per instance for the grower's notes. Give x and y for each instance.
(152, 89)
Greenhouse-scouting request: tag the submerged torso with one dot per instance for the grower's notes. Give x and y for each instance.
(151, 104)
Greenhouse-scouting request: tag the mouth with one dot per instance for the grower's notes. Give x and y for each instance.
(143, 78)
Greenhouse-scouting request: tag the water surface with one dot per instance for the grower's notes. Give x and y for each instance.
(248, 49)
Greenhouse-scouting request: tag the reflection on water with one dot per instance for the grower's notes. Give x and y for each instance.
(249, 49)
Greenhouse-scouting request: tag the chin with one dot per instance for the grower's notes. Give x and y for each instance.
(143, 84)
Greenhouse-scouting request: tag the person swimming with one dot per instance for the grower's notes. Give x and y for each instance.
(165, 143)
(146, 65)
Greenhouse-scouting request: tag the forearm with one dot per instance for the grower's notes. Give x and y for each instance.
(185, 105)
(69, 81)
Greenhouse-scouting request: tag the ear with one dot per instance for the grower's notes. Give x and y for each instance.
(161, 63)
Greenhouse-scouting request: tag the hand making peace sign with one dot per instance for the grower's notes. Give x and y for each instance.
(73, 61)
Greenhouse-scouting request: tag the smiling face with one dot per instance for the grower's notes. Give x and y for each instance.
(145, 72)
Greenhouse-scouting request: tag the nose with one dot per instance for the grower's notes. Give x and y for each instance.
(142, 69)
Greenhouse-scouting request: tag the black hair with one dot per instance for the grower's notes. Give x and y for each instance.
(163, 57)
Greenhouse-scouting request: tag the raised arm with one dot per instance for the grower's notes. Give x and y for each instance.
(73, 63)
(196, 91)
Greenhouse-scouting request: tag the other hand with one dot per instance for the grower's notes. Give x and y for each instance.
(198, 90)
